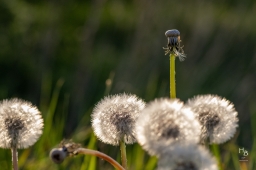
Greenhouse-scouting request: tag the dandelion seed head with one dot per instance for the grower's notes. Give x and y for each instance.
(217, 116)
(164, 122)
(21, 124)
(186, 157)
(113, 118)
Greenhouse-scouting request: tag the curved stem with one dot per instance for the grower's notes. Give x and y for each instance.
(100, 155)
(14, 158)
(172, 77)
(123, 154)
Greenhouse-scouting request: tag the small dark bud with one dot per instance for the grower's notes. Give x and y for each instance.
(58, 155)
(173, 44)
(172, 33)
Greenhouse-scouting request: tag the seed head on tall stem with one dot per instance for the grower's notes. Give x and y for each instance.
(175, 50)
(217, 116)
(165, 122)
(21, 125)
(113, 120)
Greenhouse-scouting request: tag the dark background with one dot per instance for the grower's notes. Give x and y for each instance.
(83, 43)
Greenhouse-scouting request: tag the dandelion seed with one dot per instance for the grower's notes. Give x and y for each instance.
(217, 116)
(186, 157)
(164, 122)
(113, 118)
(21, 124)
(173, 45)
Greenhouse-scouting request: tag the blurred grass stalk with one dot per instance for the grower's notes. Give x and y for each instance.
(90, 162)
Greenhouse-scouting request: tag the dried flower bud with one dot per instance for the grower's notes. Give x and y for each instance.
(58, 155)
(173, 45)
(69, 146)
(173, 37)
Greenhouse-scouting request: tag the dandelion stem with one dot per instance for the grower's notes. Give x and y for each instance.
(123, 154)
(172, 77)
(14, 158)
(100, 155)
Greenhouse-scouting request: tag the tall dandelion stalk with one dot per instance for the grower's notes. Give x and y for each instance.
(175, 50)
(21, 125)
(172, 77)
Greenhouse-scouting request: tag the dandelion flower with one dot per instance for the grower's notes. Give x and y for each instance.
(113, 118)
(21, 124)
(164, 122)
(173, 45)
(217, 116)
(186, 157)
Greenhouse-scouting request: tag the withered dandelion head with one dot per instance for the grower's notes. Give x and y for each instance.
(186, 157)
(164, 122)
(66, 148)
(58, 155)
(173, 44)
(21, 124)
(217, 116)
(113, 118)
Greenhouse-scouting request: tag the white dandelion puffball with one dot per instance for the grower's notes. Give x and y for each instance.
(164, 122)
(21, 124)
(217, 116)
(186, 157)
(113, 118)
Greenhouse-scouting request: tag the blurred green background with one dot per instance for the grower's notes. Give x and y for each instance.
(64, 56)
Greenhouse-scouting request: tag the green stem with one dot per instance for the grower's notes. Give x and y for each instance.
(172, 77)
(216, 153)
(123, 154)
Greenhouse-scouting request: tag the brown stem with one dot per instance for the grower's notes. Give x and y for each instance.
(14, 158)
(100, 155)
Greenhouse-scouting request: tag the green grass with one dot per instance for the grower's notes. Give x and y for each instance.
(36, 157)
(43, 36)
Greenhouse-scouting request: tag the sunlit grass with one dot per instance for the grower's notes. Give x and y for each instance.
(37, 157)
